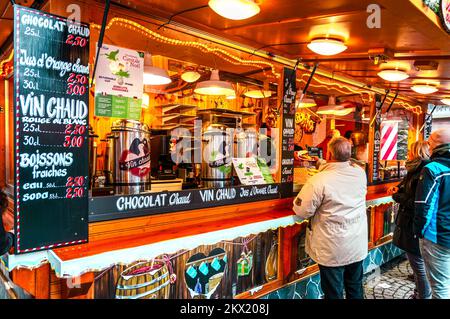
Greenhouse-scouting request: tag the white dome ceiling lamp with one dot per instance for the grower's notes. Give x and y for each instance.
(235, 9)
(331, 108)
(425, 88)
(154, 75)
(305, 103)
(258, 94)
(393, 75)
(214, 86)
(190, 76)
(327, 45)
(344, 111)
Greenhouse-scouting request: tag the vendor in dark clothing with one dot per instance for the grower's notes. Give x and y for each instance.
(6, 238)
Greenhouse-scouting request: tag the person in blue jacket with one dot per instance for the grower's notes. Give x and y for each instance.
(6, 238)
(432, 214)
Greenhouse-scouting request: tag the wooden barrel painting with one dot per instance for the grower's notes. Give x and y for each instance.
(144, 280)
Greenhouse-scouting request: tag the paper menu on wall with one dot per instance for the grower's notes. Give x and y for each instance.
(248, 171)
(119, 83)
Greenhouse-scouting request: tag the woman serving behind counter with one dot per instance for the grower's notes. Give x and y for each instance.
(335, 201)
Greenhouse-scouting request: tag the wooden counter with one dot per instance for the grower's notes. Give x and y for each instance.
(129, 233)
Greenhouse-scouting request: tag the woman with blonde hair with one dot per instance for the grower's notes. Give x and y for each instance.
(418, 157)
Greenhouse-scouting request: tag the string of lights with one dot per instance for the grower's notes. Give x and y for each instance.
(225, 55)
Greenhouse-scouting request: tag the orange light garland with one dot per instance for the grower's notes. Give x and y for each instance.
(225, 55)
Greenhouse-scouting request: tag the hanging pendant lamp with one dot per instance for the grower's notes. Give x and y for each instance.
(214, 86)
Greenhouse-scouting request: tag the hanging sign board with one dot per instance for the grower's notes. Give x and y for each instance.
(119, 83)
(377, 139)
(51, 74)
(288, 131)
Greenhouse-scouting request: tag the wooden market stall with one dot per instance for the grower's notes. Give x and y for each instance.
(184, 234)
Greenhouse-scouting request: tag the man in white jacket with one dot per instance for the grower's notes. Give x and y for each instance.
(335, 202)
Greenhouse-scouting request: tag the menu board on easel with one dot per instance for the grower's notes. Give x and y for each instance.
(288, 131)
(51, 74)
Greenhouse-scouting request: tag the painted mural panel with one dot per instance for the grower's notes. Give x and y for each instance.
(223, 270)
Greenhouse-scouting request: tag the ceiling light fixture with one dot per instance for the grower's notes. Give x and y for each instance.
(393, 75)
(327, 46)
(331, 108)
(234, 9)
(305, 103)
(154, 75)
(214, 86)
(344, 111)
(424, 88)
(190, 76)
(258, 94)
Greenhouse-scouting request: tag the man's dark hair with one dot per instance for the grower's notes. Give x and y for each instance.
(348, 134)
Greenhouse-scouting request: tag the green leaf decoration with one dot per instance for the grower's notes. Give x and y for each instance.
(213, 156)
(112, 55)
(123, 74)
(225, 169)
(241, 166)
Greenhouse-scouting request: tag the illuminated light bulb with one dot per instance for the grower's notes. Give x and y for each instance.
(424, 88)
(258, 94)
(327, 46)
(234, 9)
(393, 75)
(154, 75)
(190, 76)
(214, 86)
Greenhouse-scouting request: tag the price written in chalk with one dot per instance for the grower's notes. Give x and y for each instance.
(73, 141)
(76, 41)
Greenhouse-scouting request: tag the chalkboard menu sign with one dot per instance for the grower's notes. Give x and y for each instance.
(51, 74)
(377, 139)
(288, 127)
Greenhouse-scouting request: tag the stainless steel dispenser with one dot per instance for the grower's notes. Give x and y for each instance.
(216, 159)
(131, 144)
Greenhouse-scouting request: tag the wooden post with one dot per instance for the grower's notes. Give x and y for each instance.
(35, 281)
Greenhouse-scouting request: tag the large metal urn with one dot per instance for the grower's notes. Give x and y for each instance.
(131, 149)
(216, 159)
(246, 143)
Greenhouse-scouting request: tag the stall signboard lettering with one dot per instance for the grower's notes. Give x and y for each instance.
(51, 74)
(377, 139)
(288, 131)
(113, 207)
(119, 83)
